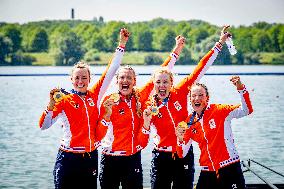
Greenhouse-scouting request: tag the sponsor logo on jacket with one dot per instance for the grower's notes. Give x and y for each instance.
(212, 124)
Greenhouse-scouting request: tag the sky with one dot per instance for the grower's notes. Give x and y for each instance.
(217, 12)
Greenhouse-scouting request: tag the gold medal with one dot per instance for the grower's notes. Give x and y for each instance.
(182, 124)
(115, 97)
(58, 96)
(155, 110)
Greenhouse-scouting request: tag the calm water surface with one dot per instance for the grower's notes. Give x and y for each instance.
(28, 154)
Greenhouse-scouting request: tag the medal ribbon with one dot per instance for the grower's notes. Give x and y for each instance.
(191, 121)
(78, 93)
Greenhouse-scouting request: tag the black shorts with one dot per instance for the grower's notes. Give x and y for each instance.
(124, 170)
(76, 170)
(169, 170)
(229, 177)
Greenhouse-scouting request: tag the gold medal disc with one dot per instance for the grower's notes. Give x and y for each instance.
(115, 97)
(155, 110)
(182, 124)
(58, 96)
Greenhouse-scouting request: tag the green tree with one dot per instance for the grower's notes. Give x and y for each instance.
(185, 57)
(6, 47)
(167, 40)
(202, 48)
(70, 50)
(98, 42)
(111, 33)
(197, 35)
(14, 34)
(86, 31)
(273, 34)
(40, 41)
(56, 33)
(243, 39)
(261, 42)
(281, 39)
(144, 40)
(160, 22)
(142, 37)
(183, 28)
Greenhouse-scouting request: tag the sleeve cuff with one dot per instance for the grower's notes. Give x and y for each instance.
(174, 55)
(46, 110)
(145, 131)
(218, 46)
(119, 49)
(180, 143)
(243, 91)
(105, 123)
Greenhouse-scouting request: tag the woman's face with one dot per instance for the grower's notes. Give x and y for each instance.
(126, 80)
(162, 85)
(80, 79)
(198, 98)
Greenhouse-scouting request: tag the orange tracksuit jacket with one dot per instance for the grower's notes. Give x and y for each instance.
(124, 132)
(79, 117)
(163, 125)
(213, 133)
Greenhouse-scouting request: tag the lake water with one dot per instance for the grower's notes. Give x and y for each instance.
(27, 154)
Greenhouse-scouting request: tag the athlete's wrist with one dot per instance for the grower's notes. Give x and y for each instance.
(106, 118)
(50, 106)
(146, 126)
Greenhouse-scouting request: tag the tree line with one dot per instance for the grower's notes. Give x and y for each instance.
(72, 40)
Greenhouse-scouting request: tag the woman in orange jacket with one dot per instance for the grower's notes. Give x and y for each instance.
(122, 117)
(167, 107)
(210, 126)
(76, 164)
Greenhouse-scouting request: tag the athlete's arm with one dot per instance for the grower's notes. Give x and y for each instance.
(204, 63)
(169, 62)
(52, 112)
(101, 86)
(143, 134)
(246, 107)
(104, 119)
(183, 140)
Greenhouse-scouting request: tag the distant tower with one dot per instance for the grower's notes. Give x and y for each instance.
(72, 14)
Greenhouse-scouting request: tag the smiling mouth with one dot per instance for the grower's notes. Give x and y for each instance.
(197, 104)
(162, 92)
(80, 86)
(125, 87)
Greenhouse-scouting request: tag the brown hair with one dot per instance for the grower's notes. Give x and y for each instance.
(201, 85)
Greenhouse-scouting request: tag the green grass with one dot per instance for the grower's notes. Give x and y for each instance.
(129, 58)
(42, 59)
(137, 58)
(272, 58)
